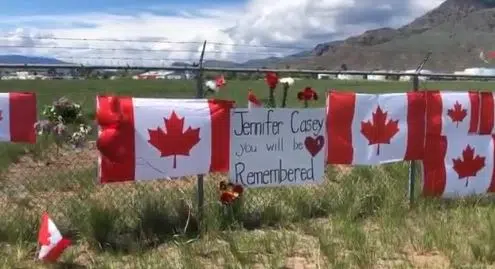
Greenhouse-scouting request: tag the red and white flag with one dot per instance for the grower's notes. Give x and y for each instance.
(51, 240)
(169, 138)
(253, 101)
(450, 113)
(368, 129)
(458, 165)
(18, 115)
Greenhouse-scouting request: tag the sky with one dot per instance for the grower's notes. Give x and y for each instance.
(161, 32)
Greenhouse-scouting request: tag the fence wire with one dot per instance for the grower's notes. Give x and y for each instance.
(62, 181)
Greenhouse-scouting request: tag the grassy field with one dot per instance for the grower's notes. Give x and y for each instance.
(359, 218)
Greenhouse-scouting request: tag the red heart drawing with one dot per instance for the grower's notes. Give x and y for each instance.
(314, 145)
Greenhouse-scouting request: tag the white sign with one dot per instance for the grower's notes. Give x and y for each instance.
(275, 147)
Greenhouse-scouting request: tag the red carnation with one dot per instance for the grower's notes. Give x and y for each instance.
(271, 80)
(229, 192)
(238, 189)
(228, 197)
(307, 94)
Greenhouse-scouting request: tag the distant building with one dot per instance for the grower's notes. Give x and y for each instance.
(175, 76)
(327, 76)
(409, 78)
(163, 74)
(377, 77)
(349, 76)
(23, 75)
(159, 74)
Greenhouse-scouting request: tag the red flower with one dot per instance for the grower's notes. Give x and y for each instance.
(307, 94)
(220, 81)
(238, 189)
(228, 197)
(230, 192)
(271, 80)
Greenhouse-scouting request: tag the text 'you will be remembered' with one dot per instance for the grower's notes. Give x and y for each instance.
(276, 147)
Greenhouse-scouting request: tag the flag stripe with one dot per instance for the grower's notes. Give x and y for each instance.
(475, 111)
(434, 171)
(220, 134)
(487, 113)
(23, 116)
(434, 108)
(57, 250)
(117, 172)
(416, 126)
(491, 188)
(42, 234)
(339, 121)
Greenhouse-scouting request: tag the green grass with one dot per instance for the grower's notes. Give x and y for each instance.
(85, 91)
(357, 219)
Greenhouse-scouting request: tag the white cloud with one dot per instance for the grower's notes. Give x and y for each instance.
(296, 23)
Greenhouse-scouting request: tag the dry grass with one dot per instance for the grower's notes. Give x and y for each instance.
(359, 218)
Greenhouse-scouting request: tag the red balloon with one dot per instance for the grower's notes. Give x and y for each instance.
(109, 145)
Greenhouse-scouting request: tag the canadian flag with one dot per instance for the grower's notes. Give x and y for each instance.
(51, 240)
(253, 101)
(167, 138)
(458, 165)
(18, 114)
(368, 129)
(452, 112)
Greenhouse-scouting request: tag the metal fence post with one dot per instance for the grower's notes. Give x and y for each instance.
(412, 165)
(199, 95)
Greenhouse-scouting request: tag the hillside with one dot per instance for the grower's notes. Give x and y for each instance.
(455, 32)
(20, 59)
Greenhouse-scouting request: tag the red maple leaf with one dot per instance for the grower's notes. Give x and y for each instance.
(470, 165)
(379, 131)
(174, 141)
(457, 114)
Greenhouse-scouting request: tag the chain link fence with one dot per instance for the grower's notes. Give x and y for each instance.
(120, 215)
(62, 181)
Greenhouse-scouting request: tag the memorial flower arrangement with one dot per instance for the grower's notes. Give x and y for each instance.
(306, 95)
(229, 192)
(65, 121)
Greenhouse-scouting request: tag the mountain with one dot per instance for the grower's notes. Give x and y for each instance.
(19, 59)
(454, 32)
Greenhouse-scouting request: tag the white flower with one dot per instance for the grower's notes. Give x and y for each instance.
(288, 81)
(211, 85)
